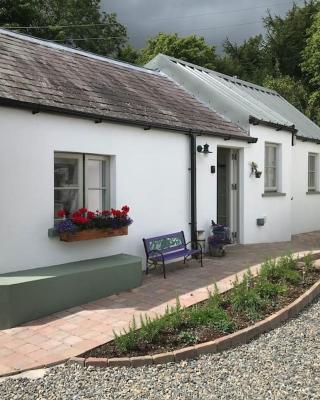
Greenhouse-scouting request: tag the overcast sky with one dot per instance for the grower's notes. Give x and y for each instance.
(213, 19)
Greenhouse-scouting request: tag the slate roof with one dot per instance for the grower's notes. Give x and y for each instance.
(236, 99)
(44, 76)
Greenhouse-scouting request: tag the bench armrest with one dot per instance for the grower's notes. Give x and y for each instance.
(155, 252)
(197, 242)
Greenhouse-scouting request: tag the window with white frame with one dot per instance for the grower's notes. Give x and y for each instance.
(81, 180)
(312, 172)
(271, 167)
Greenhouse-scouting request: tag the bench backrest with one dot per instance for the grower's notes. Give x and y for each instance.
(166, 243)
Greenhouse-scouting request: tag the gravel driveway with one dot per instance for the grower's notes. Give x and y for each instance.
(283, 364)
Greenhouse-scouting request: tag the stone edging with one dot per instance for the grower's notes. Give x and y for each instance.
(226, 342)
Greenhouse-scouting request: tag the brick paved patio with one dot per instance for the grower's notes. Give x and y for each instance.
(68, 333)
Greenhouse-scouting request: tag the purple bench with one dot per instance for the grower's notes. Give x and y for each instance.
(169, 247)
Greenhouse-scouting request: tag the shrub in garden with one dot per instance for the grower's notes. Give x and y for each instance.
(128, 340)
(309, 262)
(210, 316)
(284, 269)
(151, 328)
(287, 269)
(268, 290)
(244, 297)
(187, 337)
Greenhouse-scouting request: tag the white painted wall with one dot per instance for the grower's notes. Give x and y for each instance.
(151, 176)
(275, 210)
(305, 207)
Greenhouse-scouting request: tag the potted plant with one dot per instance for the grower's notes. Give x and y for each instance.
(85, 225)
(254, 170)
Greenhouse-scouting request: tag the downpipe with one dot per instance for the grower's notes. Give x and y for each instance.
(193, 182)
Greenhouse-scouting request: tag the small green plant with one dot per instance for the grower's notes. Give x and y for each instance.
(214, 298)
(187, 337)
(268, 290)
(174, 315)
(309, 262)
(151, 328)
(269, 270)
(211, 315)
(245, 298)
(282, 270)
(128, 340)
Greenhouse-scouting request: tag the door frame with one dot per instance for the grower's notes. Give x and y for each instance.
(234, 209)
(233, 191)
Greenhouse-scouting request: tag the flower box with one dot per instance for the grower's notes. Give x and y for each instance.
(89, 234)
(86, 225)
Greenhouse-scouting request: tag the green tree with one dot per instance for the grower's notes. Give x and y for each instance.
(191, 48)
(311, 54)
(59, 20)
(289, 88)
(311, 67)
(286, 37)
(248, 60)
(129, 54)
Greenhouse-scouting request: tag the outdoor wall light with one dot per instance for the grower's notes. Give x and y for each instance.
(204, 149)
(254, 170)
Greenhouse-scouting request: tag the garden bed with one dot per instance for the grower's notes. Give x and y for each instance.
(253, 299)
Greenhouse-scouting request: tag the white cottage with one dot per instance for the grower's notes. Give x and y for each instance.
(79, 130)
(285, 198)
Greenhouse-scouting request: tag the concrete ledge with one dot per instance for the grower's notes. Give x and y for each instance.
(31, 294)
(273, 194)
(218, 345)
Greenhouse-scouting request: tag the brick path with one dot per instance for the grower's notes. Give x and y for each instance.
(68, 333)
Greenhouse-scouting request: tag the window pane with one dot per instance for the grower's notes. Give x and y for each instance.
(96, 199)
(312, 180)
(67, 199)
(96, 173)
(270, 178)
(66, 172)
(273, 156)
(273, 180)
(312, 163)
(266, 156)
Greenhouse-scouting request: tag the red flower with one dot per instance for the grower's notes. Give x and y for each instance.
(125, 210)
(106, 212)
(82, 210)
(76, 214)
(116, 213)
(61, 213)
(80, 220)
(90, 214)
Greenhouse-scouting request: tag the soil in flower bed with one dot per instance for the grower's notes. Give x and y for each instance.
(171, 338)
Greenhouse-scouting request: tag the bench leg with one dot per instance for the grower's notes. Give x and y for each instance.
(201, 263)
(147, 268)
(164, 269)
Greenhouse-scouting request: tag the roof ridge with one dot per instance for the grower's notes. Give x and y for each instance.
(52, 45)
